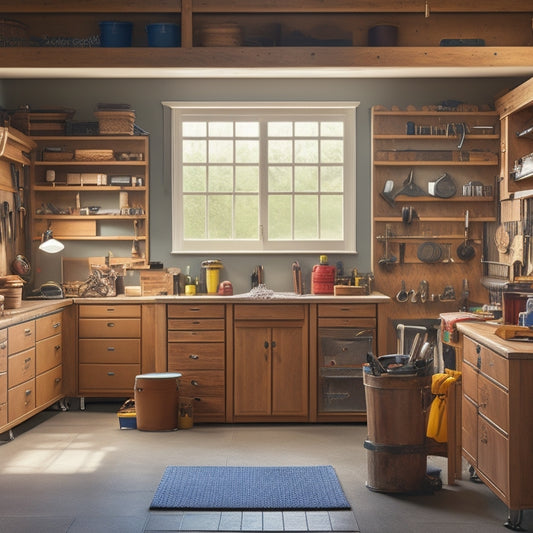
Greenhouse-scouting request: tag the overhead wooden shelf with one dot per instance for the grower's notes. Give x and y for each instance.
(267, 57)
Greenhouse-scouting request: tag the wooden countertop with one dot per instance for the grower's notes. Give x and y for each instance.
(279, 298)
(31, 309)
(483, 333)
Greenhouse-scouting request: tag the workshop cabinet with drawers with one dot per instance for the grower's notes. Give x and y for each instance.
(497, 427)
(3, 377)
(196, 349)
(109, 349)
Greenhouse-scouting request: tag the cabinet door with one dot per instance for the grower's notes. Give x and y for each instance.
(469, 430)
(493, 455)
(252, 376)
(289, 372)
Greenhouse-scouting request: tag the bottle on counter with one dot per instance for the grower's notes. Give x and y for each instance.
(323, 277)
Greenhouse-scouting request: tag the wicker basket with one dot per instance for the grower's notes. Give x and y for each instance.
(115, 122)
(58, 156)
(224, 34)
(94, 155)
(13, 33)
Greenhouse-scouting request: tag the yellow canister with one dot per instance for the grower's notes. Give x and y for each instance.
(212, 274)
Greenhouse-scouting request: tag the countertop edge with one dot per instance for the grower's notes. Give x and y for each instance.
(31, 309)
(483, 333)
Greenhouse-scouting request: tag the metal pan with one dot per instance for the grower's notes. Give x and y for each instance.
(429, 252)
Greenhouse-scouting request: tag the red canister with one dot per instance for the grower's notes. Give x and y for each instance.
(323, 277)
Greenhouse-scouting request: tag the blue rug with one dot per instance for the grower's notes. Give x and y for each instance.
(231, 488)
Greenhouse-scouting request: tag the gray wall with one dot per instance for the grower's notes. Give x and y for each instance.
(146, 95)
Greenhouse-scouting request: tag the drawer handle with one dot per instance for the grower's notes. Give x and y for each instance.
(58, 380)
(110, 348)
(27, 392)
(3, 346)
(194, 309)
(478, 349)
(110, 373)
(194, 356)
(110, 309)
(27, 360)
(56, 325)
(197, 399)
(57, 347)
(110, 324)
(196, 322)
(194, 383)
(27, 332)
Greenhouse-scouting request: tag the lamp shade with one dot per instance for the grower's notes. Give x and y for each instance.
(49, 244)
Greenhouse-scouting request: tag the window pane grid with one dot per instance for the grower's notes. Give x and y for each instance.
(264, 179)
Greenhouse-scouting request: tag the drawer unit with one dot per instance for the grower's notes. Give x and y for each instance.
(109, 349)
(48, 354)
(49, 385)
(20, 367)
(21, 337)
(21, 400)
(48, 326)
(108, 379)
(109, 328)
(196, 349)
(3, 377)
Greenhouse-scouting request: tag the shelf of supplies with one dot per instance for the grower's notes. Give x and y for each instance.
(405, 198)
(90, 217)
(436, 163)
(437, 219)
(401, 137)
(97, 238)
(86, 188)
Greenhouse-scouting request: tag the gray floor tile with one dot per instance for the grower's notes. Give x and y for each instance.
(343, 521)
(252, 521)
(273, 521)
(230, 521)
(318, 521)
(43, 524)
(200, 521)
(294, 521)
(164, 521)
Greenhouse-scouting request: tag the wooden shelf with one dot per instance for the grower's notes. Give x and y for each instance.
(404, 198)
(90, 217)
(129, 238)
(86, 188)
(266, 57)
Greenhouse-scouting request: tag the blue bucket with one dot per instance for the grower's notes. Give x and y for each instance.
(163, 34)
(115, 34)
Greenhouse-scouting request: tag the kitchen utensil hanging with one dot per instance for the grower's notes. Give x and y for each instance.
(465, 251)
(429, 252)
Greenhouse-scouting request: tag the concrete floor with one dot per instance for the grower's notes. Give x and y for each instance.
(77, 472)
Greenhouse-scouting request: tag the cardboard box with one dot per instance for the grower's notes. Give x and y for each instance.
(156, 282)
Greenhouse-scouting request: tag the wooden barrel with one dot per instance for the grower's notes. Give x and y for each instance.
(396, 421)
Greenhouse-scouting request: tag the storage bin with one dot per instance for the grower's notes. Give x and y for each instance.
(163, 34)
(157, 400)
(115, 122)
(115, 34)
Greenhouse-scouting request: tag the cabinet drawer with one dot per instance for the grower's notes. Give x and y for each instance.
(469, 418)
(20, 367)
(469, 379)
(346, 310)
(201, 383)
(108, 378)
(109, 350)
(192, 336)
(196, 355)
(107, 311)
(209, 408)
(196, 323)
(347, 322)
(191, 310)
(47, 326)
(49, 385)
(3, 414)
(493, 455)
(3, 350)
(48, 354)
(493, 403)
(21, 400)
(109, 328)
(269, 312)
(21, 337)
(489, 363)
(3, 388)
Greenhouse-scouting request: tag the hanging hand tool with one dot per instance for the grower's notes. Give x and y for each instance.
(6, 221)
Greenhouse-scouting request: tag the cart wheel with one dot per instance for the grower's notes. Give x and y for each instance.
(513, 522)
(473, 476)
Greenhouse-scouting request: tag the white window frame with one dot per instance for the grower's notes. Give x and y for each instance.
(346, 111)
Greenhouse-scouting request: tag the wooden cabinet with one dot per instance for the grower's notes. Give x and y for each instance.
(345, 334)
(497, 429)
(109, 349)
(32, 379)
(3, 377)
(271, 363)
(434, 185)
(93, 189)
(196, 349)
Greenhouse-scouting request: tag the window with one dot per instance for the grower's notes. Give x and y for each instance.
(263, 177)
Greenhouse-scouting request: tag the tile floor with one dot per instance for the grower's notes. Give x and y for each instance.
(77, 472)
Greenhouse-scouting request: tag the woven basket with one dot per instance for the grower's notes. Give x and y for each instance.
(94, 155)
(13, 33)
(115, 122)
(58, 156)
(224, 34)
